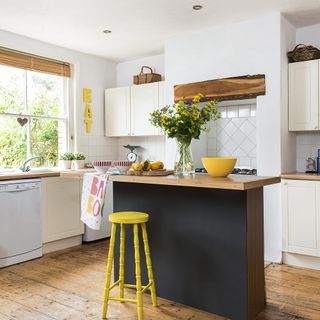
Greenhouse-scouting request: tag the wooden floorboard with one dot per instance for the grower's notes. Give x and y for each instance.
(68, 285)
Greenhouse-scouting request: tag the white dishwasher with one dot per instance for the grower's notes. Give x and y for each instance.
(20, 221)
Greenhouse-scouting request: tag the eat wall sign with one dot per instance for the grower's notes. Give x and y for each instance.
(87, 100)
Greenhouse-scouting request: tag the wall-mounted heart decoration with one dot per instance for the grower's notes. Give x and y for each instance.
(22, 121)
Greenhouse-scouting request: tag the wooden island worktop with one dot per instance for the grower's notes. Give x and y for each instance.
(206, 236)
(201, 180)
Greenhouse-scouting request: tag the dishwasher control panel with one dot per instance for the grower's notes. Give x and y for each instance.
(19, 186)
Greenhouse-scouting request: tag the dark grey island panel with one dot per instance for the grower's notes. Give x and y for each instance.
(206, 245)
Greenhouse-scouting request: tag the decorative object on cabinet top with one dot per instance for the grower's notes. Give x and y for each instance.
(146, 77)
(302, 52)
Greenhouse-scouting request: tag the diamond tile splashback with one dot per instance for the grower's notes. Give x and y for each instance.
(234, 135)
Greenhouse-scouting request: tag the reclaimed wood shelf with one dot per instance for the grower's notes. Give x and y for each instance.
(236, 88)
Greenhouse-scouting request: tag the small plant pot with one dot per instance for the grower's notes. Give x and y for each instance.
(65, 164)
(78, 164)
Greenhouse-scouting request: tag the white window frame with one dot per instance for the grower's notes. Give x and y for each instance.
(67, 118)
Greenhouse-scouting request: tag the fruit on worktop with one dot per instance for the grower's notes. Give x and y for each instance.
(145, 165)
(137, 166)
(157, 165)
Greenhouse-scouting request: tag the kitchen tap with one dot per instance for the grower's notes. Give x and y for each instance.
(24, 167)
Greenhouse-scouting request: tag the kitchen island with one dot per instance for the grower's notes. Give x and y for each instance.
(206, 239)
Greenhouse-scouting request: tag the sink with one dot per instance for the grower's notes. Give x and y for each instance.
(6, 172)
(41, 170)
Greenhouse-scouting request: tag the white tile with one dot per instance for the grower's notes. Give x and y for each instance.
(247, 146)
(230, 146)
(232, 112)
(239, 153)
(253, 163)
(212, 152)
(212, 133)
(247, 127)
(223, 112)
(223, 153)
(244, 111)
(212, 143)
(230, 129)
(238, 137)
(253, 110)
(301, 165)
(222, 123)
(304, 151)
(245, 162)
(253, 136)
(253, 153)
(238, 121)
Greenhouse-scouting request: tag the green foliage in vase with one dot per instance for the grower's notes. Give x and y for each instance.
(79, 156)
(67, 156)
(185, 120)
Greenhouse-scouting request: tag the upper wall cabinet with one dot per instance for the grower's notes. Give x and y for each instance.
(117, 112)
(127, 109)
(304, 96)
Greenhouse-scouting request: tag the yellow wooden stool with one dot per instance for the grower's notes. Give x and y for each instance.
(124, 218)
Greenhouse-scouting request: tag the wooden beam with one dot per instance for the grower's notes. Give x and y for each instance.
(245, 87)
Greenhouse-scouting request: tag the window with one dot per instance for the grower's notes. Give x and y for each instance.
(34, 117)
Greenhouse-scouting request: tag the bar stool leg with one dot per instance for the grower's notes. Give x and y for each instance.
(138, 272)
(149, 264)
(109, 270)
(121, 263)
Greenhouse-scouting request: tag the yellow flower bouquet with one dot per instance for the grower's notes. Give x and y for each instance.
(185, 121)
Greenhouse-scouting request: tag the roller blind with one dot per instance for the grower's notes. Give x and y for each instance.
(32, 62)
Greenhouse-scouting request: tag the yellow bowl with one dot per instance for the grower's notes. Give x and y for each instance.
(219, 167)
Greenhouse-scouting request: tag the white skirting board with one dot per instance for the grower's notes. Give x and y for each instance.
(302, 261)
(62, 244)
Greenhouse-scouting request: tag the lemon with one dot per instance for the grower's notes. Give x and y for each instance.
(157, 165)
(136, 166)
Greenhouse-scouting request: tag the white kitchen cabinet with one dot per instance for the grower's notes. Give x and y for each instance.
(144, 100)
(127, 109)
(117, 112)
(301, 217)
(61, 199)
(304, 96)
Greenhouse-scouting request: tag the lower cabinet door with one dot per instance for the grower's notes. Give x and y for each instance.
(301, 217)
(61, 208)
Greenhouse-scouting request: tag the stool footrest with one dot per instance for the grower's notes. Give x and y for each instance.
(114, 284)
(132, 286)
(147, 287)
(123, 299)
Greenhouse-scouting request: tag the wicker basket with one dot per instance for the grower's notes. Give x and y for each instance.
(302, 52)
(146, 77)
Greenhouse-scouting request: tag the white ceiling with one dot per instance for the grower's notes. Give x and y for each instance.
(139, 27)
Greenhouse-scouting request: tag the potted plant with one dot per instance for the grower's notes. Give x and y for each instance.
(184, 121)
(66, 160)
(79, 160)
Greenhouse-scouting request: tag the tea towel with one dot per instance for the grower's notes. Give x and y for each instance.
(92, 200)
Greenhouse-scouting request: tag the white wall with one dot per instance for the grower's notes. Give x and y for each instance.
(309, 35)
(251, 47)
(88, 71)
(288, 139)
(153, 148)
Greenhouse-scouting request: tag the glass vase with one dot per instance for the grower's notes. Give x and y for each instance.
(184, 164)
